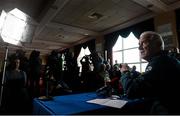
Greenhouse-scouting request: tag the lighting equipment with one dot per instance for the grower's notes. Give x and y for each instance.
(15, 28)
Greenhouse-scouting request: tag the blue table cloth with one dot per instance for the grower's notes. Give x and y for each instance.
(67, 104)
(77, 104)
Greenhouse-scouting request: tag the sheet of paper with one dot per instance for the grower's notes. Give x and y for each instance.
(116, 103)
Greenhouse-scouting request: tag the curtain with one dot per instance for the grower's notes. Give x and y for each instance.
(110, 40)
(178, 24)
(90, 44)
(77, 50)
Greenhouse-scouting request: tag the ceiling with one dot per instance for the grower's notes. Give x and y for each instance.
(60, 24)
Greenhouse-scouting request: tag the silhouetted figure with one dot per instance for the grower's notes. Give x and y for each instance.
(56, 81)
(55, 64)
(34, 72)
(97, 60)
(85, 73)
(15, 95)
(24, 64)
(115, 76)
(134, 72)
(71, 74)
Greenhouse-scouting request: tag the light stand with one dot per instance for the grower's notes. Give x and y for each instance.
(3, 77)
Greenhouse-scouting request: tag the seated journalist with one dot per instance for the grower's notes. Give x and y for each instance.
(159, 84)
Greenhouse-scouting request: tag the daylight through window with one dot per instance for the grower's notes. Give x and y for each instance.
(126, 51)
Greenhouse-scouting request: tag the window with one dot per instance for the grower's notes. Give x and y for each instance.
(126, 51)
(82, 53)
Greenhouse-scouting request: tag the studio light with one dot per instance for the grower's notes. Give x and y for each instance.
(12, 26)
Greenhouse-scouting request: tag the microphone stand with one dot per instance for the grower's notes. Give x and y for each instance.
(47, 78)
(3, 77)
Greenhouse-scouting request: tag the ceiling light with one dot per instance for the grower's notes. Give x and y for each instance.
(60, 36)
(95, 16)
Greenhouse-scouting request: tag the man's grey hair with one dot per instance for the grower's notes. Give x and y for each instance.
(156, 37)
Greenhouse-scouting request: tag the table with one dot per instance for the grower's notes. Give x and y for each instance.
(73, 104)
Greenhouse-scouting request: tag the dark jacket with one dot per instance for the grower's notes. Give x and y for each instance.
(159, 83)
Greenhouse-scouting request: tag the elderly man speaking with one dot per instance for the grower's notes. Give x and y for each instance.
(160, 83)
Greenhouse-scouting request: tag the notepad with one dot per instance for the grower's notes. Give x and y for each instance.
(116, 103)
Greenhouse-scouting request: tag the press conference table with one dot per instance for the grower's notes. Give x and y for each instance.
(73, 104)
